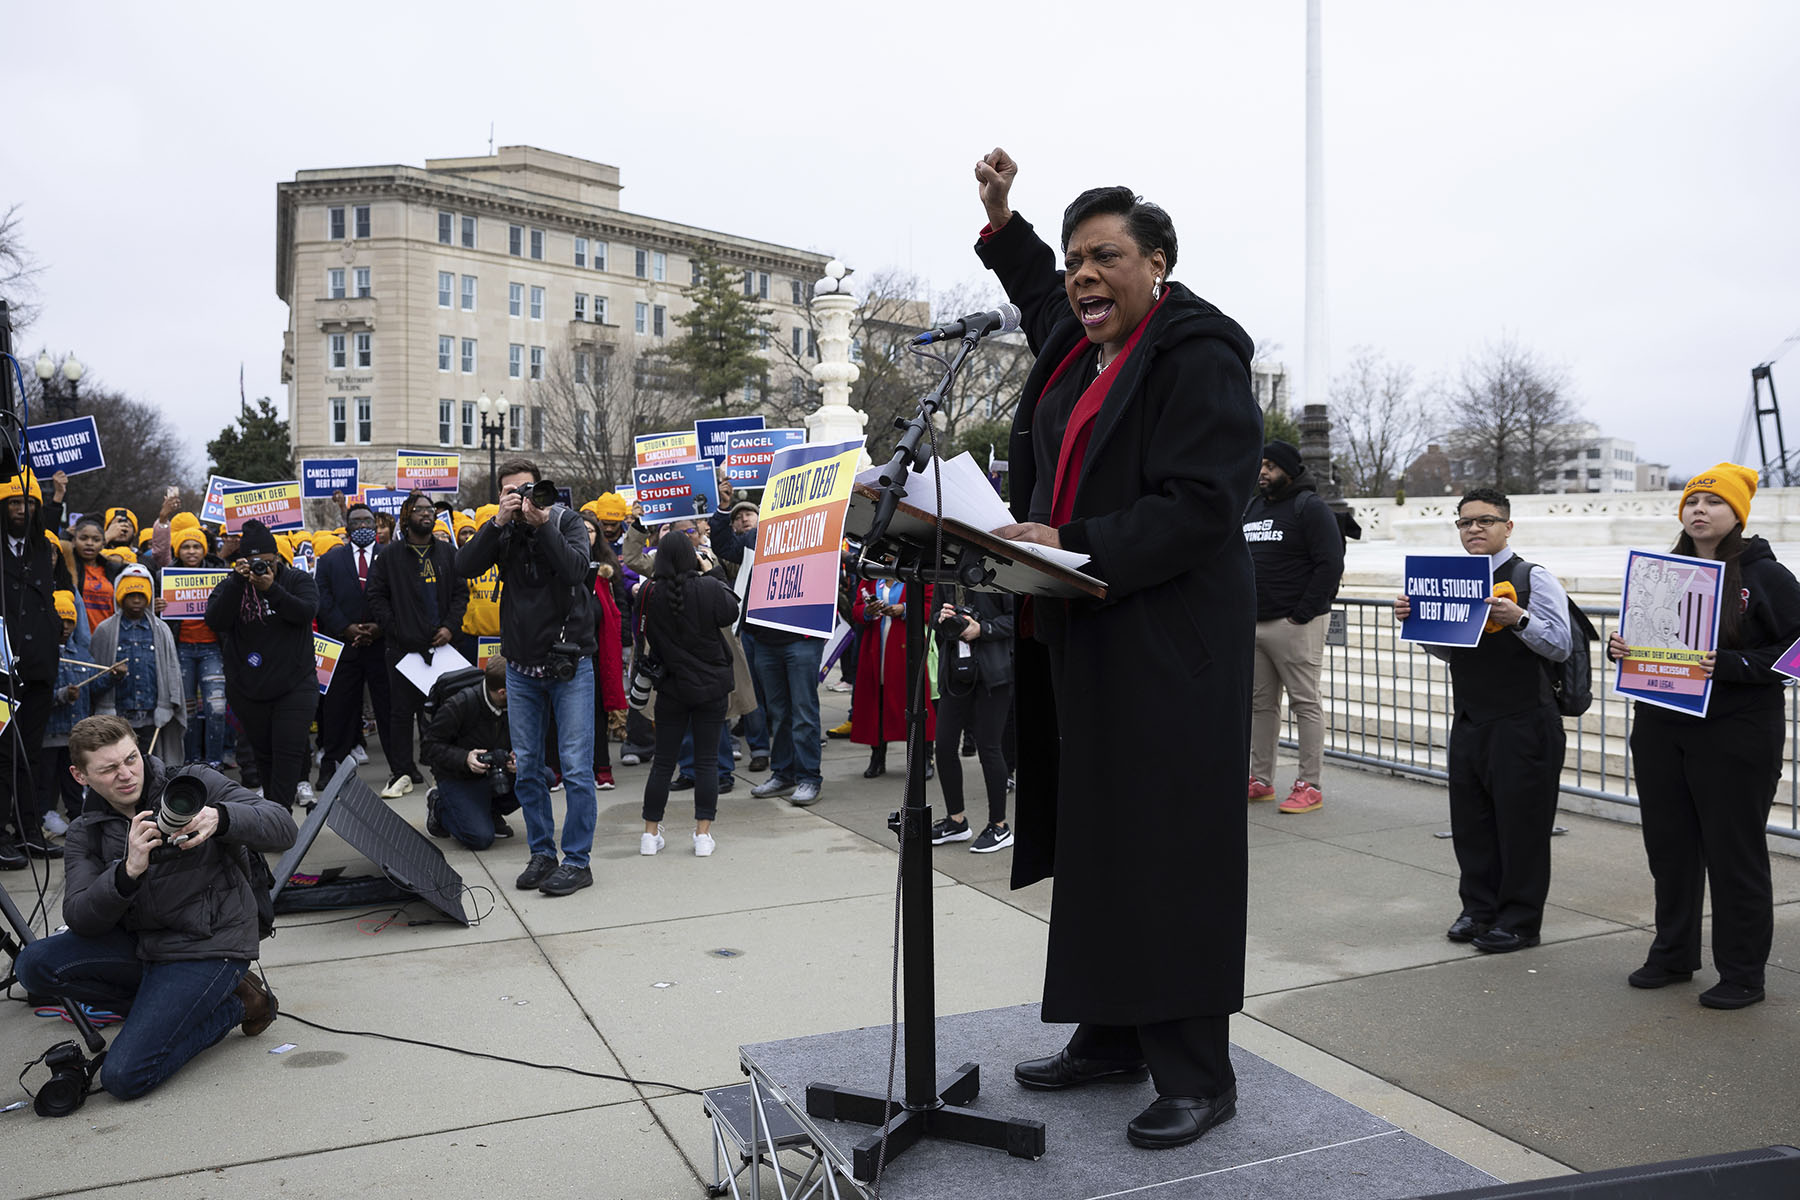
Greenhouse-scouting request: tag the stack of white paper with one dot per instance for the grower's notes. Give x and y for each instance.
(972, 500)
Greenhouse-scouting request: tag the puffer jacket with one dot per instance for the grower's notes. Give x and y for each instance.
(465, 721)
(197, 904)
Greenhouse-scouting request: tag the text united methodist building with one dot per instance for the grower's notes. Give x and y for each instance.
(412, 292)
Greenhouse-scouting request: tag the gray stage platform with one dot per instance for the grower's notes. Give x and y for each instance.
(1289, 1139)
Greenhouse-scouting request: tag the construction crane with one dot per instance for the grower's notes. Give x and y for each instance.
(1779, 467)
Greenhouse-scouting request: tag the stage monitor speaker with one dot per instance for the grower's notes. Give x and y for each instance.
(358, 815)
(1744, 1175)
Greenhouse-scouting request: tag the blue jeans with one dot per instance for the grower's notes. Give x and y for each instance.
(466, 807)
(790, 690)
(756, 725)
(177, 1009)
(203, 673)
(529, 702)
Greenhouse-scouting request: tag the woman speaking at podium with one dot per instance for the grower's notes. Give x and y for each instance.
(1136, 442)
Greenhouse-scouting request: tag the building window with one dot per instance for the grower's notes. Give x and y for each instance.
(581, 366)
(659, 267)
(795, 284)
(749, 283)
(762, 334)
(515, 299)
(334, 223)
(799, 390)
(812, 343)
(694, 271)
(365, 349)
(599, 256)
(334, 283)
(515, 427)
(855, 350)
(446, 285)
(581, 252)
(581, 429)
(640, 264)
(365, 420)
(446, 351)
(468, 233)
(515, 240)
(798, 334)
(468, 356)
(599, 309)
(446, 227)
(468, 293)
(340, 425)
(762, 284)
(337, 353)
(641, 323)
(749, 393)
(656, 320)
(537, 303)
(364, 287)
(537, 244)
(445, 418)
(537, 429)
(537, 362)
(515, 361)
(362, 220)
(581, 306)
(468, 422)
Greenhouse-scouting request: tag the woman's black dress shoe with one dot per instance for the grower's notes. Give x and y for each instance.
(1177, 1120)
(1065, 1070)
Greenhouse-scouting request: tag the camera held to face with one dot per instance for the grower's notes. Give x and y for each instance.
(259, 566)
(182, 799)
(956, 622)
(542, 494)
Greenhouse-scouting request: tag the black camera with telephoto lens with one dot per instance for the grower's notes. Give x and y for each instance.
(542, 494)
(183, 797)
(956, 622)
(499, 782)
(71, 1079)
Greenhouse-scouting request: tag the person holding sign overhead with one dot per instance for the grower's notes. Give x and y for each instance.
(1705, 783)
(1506, 740)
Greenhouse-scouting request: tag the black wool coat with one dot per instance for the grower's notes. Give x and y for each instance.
(1134, 751)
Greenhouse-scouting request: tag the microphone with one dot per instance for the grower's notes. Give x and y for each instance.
(1004, 319)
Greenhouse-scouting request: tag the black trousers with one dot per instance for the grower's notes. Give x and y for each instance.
(404, 704)
(19, 746)
(673, 719)
(358, 667)
(983, 711)
(54, 783)
(1705, 786)
(1187, 1057)
(276, 730)
(1504, 778)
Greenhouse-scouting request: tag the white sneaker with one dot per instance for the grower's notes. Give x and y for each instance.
(54, 825)
(318, 757)
(650, 843)
(303, 794)
(397, 787)
(360, 755)
(703, 845)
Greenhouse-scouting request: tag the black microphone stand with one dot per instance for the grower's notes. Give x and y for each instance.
(930, 1107)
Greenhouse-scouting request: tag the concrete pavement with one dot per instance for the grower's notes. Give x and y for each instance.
(1525, 1065)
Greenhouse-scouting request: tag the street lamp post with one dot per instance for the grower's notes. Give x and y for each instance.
(491, 433)
(59, 390)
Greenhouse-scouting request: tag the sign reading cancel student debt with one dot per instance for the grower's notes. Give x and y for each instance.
(320, 477)
(71, 447)
(679, 490)
(1449, 598)
(1670, 623)
(276, 505)
(794, 580)
(749, 454)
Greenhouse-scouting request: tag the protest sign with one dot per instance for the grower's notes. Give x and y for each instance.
(276, 505)
(664, 449)
(748, 455)
(712, 432)
(678, 490)
(321, 477)
(627, 493)
(486, 648)
(185, 591)
(72, 447)
(1789, 662)
(384, 500)
(794, 580)
(212, 511)
(1448, 594)
(416, 470)
(1670, 622)
(325, 659)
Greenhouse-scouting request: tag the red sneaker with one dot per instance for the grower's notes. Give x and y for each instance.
(1304, 798)
(603, 780)
(1260, 790)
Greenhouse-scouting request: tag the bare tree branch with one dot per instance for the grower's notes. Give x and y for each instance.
(1378, 420)
(1511, 416)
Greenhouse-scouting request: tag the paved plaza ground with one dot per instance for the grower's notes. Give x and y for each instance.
(1525, 1065)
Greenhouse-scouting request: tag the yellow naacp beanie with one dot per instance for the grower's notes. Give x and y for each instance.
(65, 604)
(1731, 483)
(132, 579)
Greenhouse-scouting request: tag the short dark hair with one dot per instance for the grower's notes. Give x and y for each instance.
(513, 466)
(494, 673)
(1149, 226)
(97, 733)
(1487, 495)
(357, 505)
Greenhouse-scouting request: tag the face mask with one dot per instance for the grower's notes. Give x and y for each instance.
(363, 538)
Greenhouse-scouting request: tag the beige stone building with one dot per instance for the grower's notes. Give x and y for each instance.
(413, 292)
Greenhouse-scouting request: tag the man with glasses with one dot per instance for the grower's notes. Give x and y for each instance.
(344, 613)
(1506, 741)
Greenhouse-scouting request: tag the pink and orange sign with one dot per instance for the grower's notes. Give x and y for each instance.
(276, 505)
(325, 657)
(426, 472)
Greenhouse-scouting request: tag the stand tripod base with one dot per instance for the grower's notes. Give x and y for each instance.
(947, 1120)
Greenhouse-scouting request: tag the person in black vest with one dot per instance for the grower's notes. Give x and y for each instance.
(1506, 741)
(1706, 783)
(345, 614)
(417, 600)
(1299, 555)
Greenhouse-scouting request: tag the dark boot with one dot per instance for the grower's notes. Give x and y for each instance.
(877, 762)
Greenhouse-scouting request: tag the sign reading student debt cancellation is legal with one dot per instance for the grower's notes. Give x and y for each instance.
(1449, 598)
(276, 505)
(748, 454)
(668, 493)
(71, 447)
(665, 449)
(793, 582)
(186, 591)
(425, 472)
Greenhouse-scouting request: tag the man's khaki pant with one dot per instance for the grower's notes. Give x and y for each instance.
(1288, 656)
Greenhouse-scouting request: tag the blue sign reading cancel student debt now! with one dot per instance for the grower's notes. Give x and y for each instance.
(71, 447)
(1449, 598)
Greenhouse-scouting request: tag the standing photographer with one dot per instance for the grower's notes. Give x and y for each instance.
(547, 637)
(162, 927)
(469, 748)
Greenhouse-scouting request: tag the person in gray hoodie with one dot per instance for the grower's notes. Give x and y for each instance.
(163, 929)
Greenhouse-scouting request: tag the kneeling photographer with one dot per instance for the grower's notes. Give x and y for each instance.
(161, 909)
(468, 746)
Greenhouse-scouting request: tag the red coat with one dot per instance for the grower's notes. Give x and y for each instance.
(609, 659)
(878, 706)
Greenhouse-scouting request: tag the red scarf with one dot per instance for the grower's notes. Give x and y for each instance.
(1081, 422)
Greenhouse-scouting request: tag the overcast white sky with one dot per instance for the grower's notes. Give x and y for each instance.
(1612, 184)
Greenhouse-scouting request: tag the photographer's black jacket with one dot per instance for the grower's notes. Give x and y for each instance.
(992, 647)
(546, 595)
(395, 596)
(1298, 552)
(266, 638)
(464, 722)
